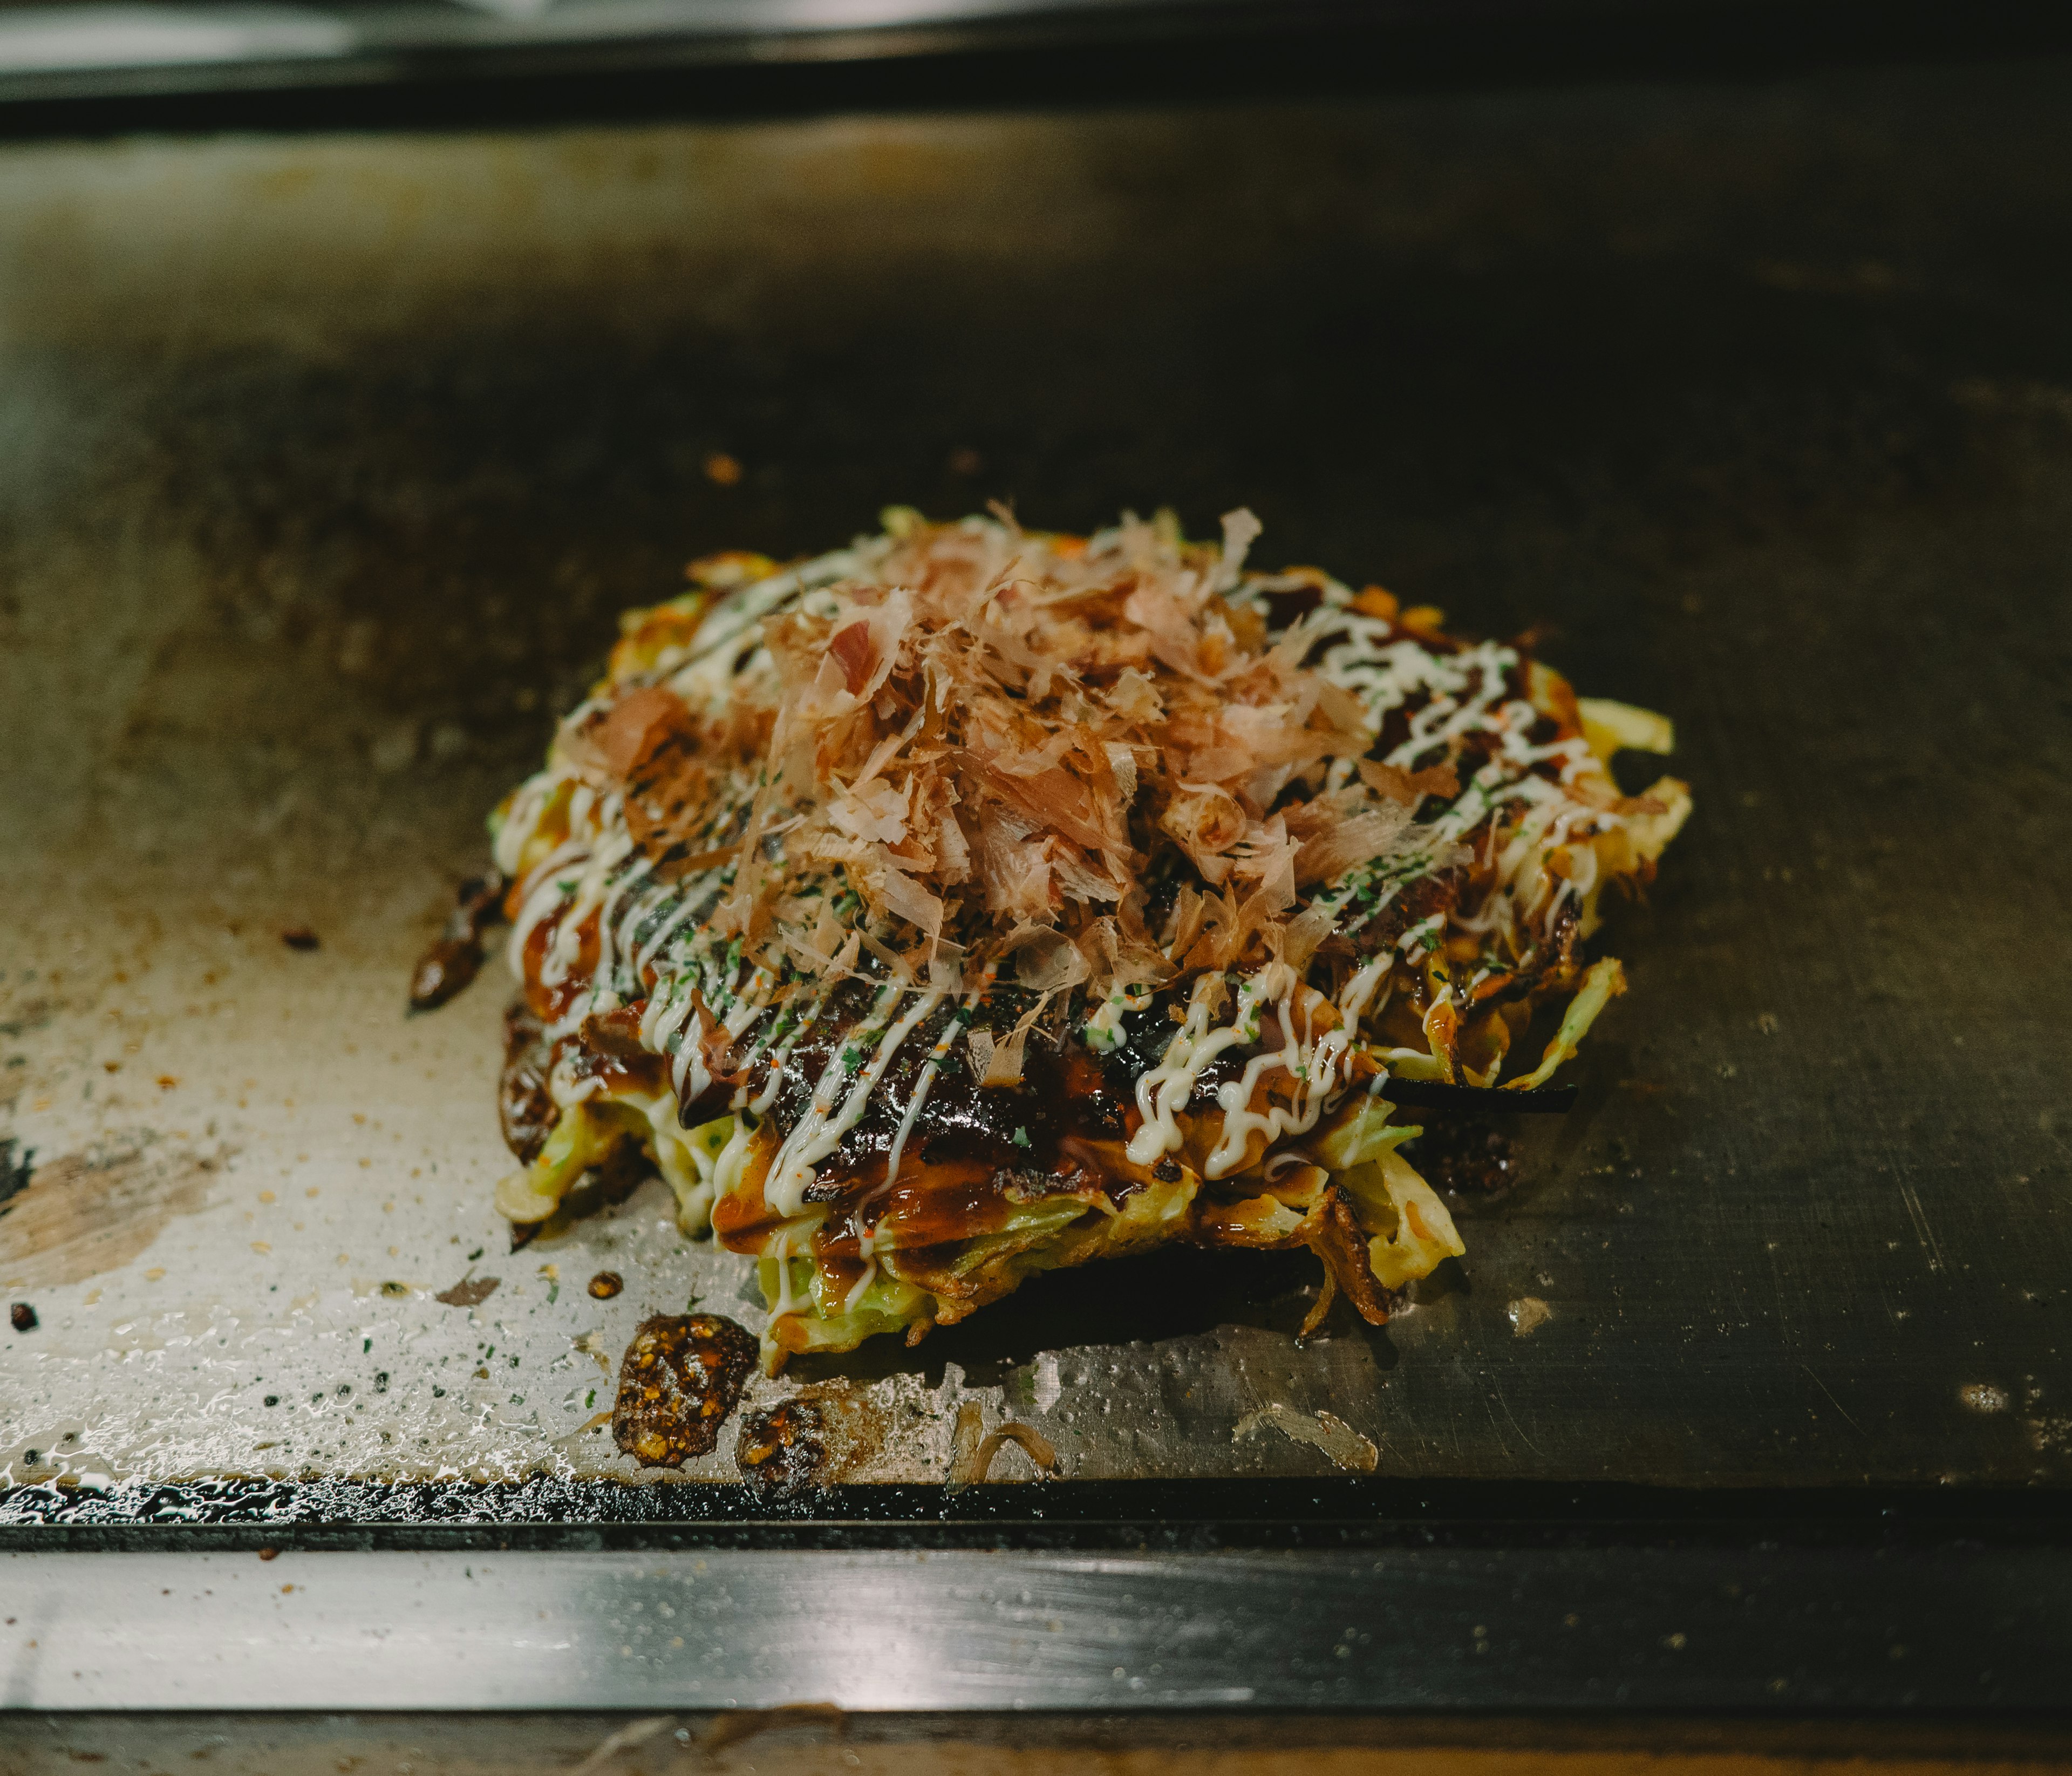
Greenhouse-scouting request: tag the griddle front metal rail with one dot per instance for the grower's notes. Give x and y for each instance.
(1557, 1630)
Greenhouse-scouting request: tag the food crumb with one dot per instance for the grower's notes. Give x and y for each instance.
(680, 1379)
(780, 1451)
(268, 1553)
(470, 1291)
(607, 1283)
(299, 937)
(22, 1317)
(1527, 1314)
(1982, 1396)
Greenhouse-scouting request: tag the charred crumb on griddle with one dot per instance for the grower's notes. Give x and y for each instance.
(22, 1317)
(681, 1378)
(299, 937)
(607, 1283)
(470, 1291)
(781, 1450)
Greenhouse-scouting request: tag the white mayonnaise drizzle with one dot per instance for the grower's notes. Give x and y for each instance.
(819, 1132)
(1466, 693)
(1104, 1032)
(541, 895)
(862, 1286)
(1163, 1093)
(867, 1237)
(760, 1103)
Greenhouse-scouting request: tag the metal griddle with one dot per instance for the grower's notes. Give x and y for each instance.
(328, 463)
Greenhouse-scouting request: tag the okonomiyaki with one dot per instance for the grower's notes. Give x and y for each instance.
(976, 900)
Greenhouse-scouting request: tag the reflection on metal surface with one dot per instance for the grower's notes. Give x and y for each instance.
(41, 45)
(1692, 1628)
(50, 39)
(334, 458)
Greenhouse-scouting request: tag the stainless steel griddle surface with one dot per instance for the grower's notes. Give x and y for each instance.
(328, 461)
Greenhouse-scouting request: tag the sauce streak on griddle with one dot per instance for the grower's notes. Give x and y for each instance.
(455, 957)
(679, 1379)
(525, 1106)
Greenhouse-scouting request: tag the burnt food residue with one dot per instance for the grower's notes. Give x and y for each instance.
(1464, 1156)
(22, 1317)
(455, 957)
(470, 1291)
(299, 937)
(680, 1377)
(17, 1165)
(607, 1283)
(525, 1106)
(781, 1449)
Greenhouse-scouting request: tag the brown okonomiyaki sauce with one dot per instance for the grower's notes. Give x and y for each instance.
(455, 957)
(448, 964)
(974, 1154)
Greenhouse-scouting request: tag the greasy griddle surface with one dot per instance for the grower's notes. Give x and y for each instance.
(328, 463)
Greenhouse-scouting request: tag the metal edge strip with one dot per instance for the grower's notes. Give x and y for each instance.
(1553, 1630)
(1335, 1510)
